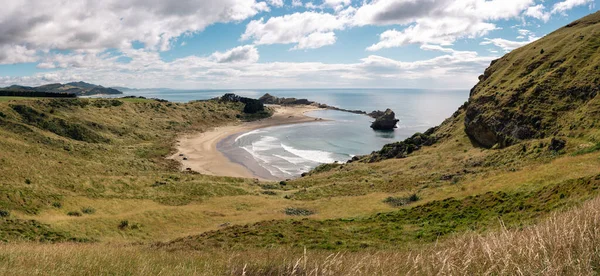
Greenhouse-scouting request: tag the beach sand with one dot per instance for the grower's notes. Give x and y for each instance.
(200, 149)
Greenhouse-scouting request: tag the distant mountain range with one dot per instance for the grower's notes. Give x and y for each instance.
(77, 88)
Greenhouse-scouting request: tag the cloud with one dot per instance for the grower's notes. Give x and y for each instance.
(297, 3)
(98, 25)
(315, 40)
(10, 54)
(561, 7)
(538, 12)
(443, 31)
(307, 30)
(238, 68)
(241, 54)
(435, 21)
(336, 4)
(508, 45)
(276, 3)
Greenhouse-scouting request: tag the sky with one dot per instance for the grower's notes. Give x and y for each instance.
(252, 44)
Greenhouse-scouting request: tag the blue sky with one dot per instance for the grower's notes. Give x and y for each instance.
(220, 44)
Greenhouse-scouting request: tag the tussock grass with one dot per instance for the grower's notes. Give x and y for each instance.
(565, 243)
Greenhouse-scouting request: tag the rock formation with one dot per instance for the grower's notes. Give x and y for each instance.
(385, 122)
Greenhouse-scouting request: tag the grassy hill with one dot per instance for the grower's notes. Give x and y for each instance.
(500, 187)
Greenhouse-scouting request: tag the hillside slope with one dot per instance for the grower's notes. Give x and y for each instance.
(547, 88)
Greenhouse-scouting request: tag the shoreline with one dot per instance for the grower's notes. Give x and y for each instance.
(198, 152)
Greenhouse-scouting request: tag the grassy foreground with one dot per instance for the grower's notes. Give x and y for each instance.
(564, 244)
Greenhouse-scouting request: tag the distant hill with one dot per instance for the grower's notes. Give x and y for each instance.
(76, 88)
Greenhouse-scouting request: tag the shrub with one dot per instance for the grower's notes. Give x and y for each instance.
(124, 224)
(290, 211)
(27, 181)
(401, 201)
(57, 205)
(88, 210)
(74, 214)
(4, 213)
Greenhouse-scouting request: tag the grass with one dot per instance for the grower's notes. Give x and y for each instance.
(565, 243)
(420, 224)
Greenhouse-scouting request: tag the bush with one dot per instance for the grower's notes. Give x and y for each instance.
(401, 201)
(254, 106)
(74, 214)
(4, 213)
(88, 210)
(290, 211)
(124, 224)
(57, 205)
(27, 181)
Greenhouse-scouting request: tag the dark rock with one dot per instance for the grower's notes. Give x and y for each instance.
(376, 114)
(386, 122)
(557, 144)
(400, 149)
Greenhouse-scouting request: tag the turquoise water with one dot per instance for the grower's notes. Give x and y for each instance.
(287, 151)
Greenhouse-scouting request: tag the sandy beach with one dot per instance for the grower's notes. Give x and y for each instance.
(199, 153)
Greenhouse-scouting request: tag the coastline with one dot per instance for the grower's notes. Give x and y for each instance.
(200, 149)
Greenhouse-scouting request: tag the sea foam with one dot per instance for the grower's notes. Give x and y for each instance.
(311, 155)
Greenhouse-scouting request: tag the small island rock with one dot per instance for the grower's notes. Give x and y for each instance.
(387, 121)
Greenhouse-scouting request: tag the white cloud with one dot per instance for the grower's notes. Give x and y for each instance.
(241, 54)
(436, 21)
(443, 31)
(297, 3)
(336, 4)
(564, 6)
(10, 54)
(538, 12)
(276, 3)
(315, 40)
(307, 30)
(454, 69)
(508, 45)
(98, 25)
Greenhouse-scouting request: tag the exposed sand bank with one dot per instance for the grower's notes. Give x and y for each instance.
(200, 149)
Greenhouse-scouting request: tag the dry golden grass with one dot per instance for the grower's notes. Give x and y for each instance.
(566, 243)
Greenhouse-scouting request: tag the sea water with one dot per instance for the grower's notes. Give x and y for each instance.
(287, 151)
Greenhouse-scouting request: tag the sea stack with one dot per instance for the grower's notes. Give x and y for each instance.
(387, 121)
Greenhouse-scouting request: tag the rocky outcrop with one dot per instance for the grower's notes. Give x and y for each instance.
(252, 106)
(387, 121)
(376, 114)
(400, 149)
(270, 99)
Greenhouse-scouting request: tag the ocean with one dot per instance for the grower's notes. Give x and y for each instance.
(284, 152)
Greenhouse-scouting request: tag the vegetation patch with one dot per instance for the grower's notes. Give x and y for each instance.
(88, 210)
(401, 201)
(292, 211)
(31, 230)
(74, 214)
